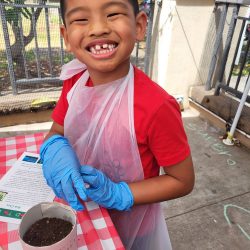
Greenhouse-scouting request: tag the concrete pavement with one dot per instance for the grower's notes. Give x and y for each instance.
(216, 215)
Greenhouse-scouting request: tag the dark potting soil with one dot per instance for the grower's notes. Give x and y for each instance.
(47, 231)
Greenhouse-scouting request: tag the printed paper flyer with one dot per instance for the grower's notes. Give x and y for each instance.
(22, 187)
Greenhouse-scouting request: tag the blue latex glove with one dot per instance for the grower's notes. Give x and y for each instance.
(61, 169)
(105, 192)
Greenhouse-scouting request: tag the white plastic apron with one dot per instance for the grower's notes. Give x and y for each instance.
(100, 126)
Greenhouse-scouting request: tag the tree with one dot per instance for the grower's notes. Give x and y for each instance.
(11, 14)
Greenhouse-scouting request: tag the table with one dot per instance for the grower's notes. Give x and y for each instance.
(95, 229)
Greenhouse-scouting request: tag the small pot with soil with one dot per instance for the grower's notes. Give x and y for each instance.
(49, 225)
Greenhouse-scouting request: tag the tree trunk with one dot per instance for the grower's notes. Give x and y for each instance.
(16, 51)
(18, 47)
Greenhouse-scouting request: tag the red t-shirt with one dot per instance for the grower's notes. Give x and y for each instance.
(158, 125)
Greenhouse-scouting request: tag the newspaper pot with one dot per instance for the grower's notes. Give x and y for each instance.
(50, 210)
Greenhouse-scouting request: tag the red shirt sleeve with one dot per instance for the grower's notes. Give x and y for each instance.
(167, 138)
(61, 108)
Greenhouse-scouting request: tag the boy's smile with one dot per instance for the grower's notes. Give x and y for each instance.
(102, 49)
(102, 34)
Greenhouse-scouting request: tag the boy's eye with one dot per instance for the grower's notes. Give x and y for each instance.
(114, 14)
(83, 20)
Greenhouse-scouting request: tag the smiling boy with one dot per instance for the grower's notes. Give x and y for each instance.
(105, 49)
(114, 127)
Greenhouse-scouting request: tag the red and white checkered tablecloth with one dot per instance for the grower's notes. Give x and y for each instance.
(95, 229)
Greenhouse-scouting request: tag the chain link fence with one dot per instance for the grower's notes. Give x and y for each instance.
(32, 52)
(31, 47)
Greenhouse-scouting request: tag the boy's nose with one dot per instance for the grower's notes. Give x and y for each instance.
(99, 28)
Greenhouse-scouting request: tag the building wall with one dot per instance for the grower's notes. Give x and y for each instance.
(182, 30)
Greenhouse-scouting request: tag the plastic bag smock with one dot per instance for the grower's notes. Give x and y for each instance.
(100, 126)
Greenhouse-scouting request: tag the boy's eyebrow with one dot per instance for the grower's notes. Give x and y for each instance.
(106, 5)
(72, 11)
(117, 3)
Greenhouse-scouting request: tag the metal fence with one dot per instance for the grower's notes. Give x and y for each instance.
(33, 45)
(32, 50)
(229, 67)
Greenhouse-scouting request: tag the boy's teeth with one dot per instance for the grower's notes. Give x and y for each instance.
(97, 47)
(102, 49)
(92, 49)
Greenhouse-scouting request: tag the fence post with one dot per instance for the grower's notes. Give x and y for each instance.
(148, 41)
(228, 41)
(8, 50)
(216, 47)
(229, 139)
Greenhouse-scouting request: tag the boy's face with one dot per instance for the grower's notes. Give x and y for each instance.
(102, 34)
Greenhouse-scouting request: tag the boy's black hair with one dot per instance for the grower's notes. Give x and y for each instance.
(134, 4)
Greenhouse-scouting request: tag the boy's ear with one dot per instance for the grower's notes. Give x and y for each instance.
(64, 34)
(141, 25)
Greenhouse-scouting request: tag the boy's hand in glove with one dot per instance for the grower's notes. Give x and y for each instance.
(61, 169)
(106, 192)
